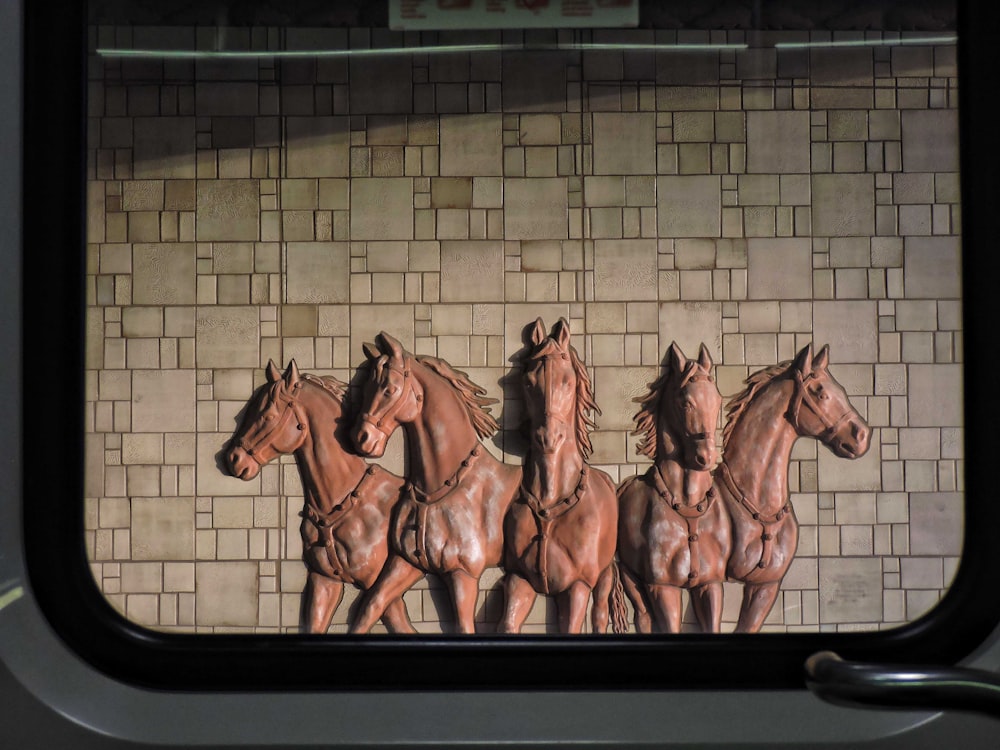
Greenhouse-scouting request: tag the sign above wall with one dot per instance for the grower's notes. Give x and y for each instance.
(426, 15)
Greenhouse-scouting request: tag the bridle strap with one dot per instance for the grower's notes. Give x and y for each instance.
(376, 422)
(767, 521)
(803, 396)
(263, 456)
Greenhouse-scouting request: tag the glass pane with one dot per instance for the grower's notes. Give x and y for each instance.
(270, 187)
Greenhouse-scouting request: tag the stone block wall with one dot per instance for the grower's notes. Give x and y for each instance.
(752, 198)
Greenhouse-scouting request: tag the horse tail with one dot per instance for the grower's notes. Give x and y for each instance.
(619, 613)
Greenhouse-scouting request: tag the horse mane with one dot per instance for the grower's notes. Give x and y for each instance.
(471, 395)
(330, 384)
(755, 383)
(585, 403)
(645, 418)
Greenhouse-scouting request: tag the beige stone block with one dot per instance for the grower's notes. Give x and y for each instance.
(779, 268)
(690, 324)
(318, 147)
(850, 590)
(162, 528)
(141, 577)
(178, 576)
(317, 272)
(451, 320)
(163, 401)
(212, 476)
(226, 593)
(163, 274)
(472, 271)
(540, 130)
(843, 204)
(535, 208)
(487, 192)
(688, 206)
(142, 195)
(138, 448)
(936, 523)
(778, 142)
(368, 320)
(471, 145)
(163, 147)
(837, 474)
(694, 254)
(382, 208)
(932, 267)
(603, 191)
(614, 389)
(179, 195)
(605, 317)
(930, 140)
(934, 395)
(381, 84)
(624, 143)
(228, 210)
(849, 327)
(625, 270)
(227, 336)
(451, 192)
(142, 322)
(535, 82)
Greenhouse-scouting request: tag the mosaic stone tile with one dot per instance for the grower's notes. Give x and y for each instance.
(688, 206)
(535, 208)
(163, 147)
(777, 142)
(382, 208)
(471, 145)
(624, 143)
(625, 269)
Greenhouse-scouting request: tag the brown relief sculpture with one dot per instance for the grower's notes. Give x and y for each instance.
(559, 534)
(347, 501)
(673, 534)
(780, 404)
(450, 518)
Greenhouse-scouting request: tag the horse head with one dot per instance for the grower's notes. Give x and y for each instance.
(557, 392)
(391, 396)
(272, 425)
(820, 408)
(690, 403)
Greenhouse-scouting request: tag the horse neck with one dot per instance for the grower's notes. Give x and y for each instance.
(552, 477)
(329, 471)
(442, 435)
(688, 486)
(760, 445)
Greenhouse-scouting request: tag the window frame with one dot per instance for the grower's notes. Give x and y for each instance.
(52, 443)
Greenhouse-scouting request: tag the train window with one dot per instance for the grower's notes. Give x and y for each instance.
(610, 336)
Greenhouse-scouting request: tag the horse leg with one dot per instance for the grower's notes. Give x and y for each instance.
(396, 618)
(706, 600)
(320, 599)
(519, 596)
(396, 577)
(666, 600)
(600, 612)
(758, 599)
(572, 607)
(464, 588)
(643, 620)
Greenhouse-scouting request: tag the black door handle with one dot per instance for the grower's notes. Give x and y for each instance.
(899, 686)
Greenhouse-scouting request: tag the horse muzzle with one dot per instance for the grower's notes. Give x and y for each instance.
(241, 464)
(549, 439)
(370, 440)
(852, 440)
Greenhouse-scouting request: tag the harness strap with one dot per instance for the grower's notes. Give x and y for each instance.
(545, 517)
(424, 497)
(326, 522)
(802, 395)
(397, 404)
(692, 515)
(767, 522)
(263, 456)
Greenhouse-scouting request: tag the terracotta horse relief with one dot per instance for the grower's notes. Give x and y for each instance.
(449, 521)
(673, 532)
(348, 502)
(559, 534)
(780, 404)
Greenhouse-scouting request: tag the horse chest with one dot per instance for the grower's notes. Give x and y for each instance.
(444, 536)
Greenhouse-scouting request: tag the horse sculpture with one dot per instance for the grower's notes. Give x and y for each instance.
(347, 501)
(780, 404)
(450, 518)
(559, 535)
(672, 532)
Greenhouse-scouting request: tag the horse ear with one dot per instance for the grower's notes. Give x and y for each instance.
(292, 374)
(705, 359)
(538, 334)
(676, 358)
(395, 348)
(272, 372)
(821, 360)
(804, 359)
(371, 351)
(560, 332)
